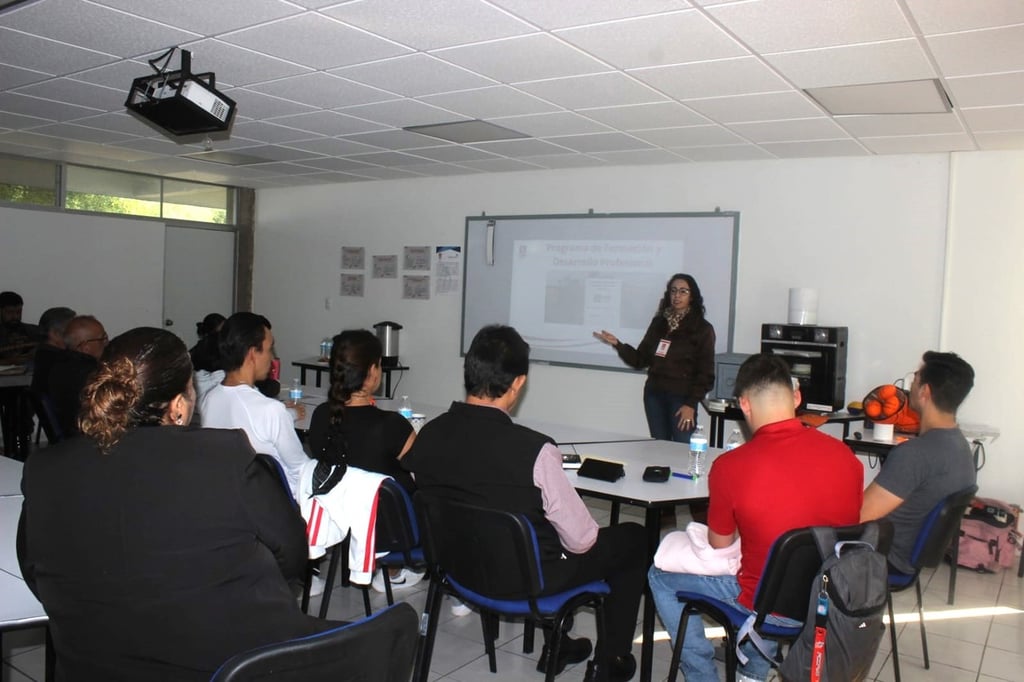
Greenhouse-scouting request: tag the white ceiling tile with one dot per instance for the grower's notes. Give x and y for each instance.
(42, 108)
(639, 157)
(546, 125)
(395, 139)
(270, 132)
(521, 148)
(692, 136)
(76, 132)
(565, 161)
(604, 89)
(19, 122)
(655, 41)
(600, 142)
(740, 76)
(430, 25)
(769, 106)
(260, 106)
(331, 146)
(322, 90)
(815, 148)
(326, 123)
(12, 77)
(900, 124)
(337, 165)
(314, 40)
(277, 153)
(788, 131)
(455, 153)
(67, 90)
(918, 144)
(413, 75)
(487, 103)
(947, 16)
(536, 57)
(156, 147)
(898, 60)
(202, 16)
(46, 56)
(994, 50)
(644, 116)
(995, 118)
(119, 122)
(401, 113)
(987, 91)
(234, 65)
(548, 15)
(76, 22)
(736, 152)
(498, 165)
(379, 173)
(389, 159)
(784, 25)
(1009, 140)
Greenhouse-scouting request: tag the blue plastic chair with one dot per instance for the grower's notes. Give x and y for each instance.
(936, 534)
(490, 559)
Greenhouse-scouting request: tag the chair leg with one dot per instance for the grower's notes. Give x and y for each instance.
(553, 639)
(488, 623)
(332, 574)
(955, 549)
(677, 650)
(386, 575)
(428, 631)
(892, 639)
(308, 582)
(920, 620)
(528, 629)
(365, 589)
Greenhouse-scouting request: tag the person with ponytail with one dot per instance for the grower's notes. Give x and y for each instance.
(158, 551)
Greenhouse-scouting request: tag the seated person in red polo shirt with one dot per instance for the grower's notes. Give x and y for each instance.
(787, 476)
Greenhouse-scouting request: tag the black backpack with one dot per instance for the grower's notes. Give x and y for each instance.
(847, 605)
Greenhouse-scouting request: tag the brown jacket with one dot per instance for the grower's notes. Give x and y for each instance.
(688, 369)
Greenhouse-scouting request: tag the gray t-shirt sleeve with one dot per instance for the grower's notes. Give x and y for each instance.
(905, 468)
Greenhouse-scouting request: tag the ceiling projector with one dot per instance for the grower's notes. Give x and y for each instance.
(180, 102)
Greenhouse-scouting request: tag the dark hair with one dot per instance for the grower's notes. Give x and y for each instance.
(210, 324)
(55, 319)
(949, 376)
(696, 298)
(354, 352)
(139, 374)
(497, 355)
(241, 332)
(762, 371)
(9, 299)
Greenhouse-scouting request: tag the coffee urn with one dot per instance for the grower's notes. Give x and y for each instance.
(387, 332)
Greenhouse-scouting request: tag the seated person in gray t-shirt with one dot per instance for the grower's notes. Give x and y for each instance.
(917, 474)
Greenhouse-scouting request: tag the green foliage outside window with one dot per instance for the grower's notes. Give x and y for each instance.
(22, 194)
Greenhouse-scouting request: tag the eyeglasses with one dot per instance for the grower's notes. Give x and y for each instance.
(102, 339)
(680, 291)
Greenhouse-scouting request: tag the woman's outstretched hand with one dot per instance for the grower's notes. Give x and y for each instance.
(607, 337)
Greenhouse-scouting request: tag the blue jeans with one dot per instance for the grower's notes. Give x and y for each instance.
(698, 659)
(660, 408)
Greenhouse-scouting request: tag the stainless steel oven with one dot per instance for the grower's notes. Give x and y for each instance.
(817, 359)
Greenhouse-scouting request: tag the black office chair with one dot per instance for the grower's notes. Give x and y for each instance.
(784, 590)
(937, 532)
(42, 405)
(490, 559)
(397, 534)
(379, 647)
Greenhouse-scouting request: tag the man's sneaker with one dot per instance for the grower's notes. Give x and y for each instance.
(459, 609)
(404, 580)
(571, 651)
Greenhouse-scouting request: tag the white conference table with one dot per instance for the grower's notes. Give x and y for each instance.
(653, 497)
(10, 476)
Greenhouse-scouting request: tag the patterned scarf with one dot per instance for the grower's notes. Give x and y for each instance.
(673, 318)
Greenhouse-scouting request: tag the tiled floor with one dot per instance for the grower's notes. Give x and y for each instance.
(966, 642)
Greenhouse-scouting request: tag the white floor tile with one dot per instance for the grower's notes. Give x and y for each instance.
(1007, 638)
(1002, 665)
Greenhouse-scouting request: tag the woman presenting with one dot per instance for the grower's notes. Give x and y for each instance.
(678, 351)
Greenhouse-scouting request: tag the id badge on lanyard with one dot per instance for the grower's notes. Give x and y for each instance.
(662, 349)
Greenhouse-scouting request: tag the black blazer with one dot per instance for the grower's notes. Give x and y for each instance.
(162, 558)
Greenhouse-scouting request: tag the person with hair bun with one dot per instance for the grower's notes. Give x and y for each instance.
(349, 429)
(158, 551)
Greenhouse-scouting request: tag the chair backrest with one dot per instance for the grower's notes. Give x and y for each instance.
(938, 528)
(379, 647)
(42, 404)
(489, 552)
(794, 562)
(397, 529)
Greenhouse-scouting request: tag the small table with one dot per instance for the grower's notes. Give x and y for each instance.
(716, 431)
(322, 366)
(654, 497)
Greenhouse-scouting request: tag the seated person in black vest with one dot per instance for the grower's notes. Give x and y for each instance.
(17, 339)
(85, 340)
(475, 454)
(52, 325)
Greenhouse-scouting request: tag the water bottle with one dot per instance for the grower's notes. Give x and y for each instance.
(735, 440)
(698, 451)
(323, 350)
(295, 392)
(404, 408)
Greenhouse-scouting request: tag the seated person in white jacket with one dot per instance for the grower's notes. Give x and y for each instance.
(246, 349)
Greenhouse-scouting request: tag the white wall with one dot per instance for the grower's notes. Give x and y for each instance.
(110, 267)
(868, 233)
(984, 305)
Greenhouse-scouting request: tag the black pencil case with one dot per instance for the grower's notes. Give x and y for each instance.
(601, 470)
